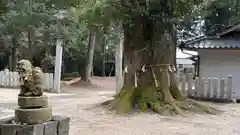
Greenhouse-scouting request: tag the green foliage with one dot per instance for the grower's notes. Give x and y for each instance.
(220, 14)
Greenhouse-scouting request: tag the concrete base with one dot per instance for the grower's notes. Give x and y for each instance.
(33, 116)
(57, 126)
(32, 102)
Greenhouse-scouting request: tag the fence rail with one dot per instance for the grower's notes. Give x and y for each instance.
(206, 88)
(10, 79)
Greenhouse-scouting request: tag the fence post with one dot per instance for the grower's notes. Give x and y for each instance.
(229, 87)
(51, 82)
(209, 87)
(202, 87)
(46, 85)
(196, 87)
(178, 81)
(6, 78)
(18, 79)
(183, 84)
(215, 88)
(222, 86)
(11, 78)
(1, 78)
(190, 83)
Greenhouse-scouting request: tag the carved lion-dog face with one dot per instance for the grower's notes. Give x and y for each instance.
(24, 65)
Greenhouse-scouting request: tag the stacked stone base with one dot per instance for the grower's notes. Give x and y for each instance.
(33, 110)
(58, 125)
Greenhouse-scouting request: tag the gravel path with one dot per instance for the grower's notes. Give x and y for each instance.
(89, 120)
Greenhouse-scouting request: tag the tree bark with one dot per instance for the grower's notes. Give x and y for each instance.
(10, 60)
(14, 58)
(30, 48)
(46, 51)
(149, 50)
(103, 58)
(89, 57)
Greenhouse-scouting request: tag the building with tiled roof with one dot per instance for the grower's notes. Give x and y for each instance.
(219, 55)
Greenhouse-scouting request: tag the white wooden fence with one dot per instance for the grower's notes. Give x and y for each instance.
(10, 79)
(206, 88)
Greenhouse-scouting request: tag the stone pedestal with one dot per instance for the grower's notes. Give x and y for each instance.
(33, 110)
(33, 116)
(58, 125)
(32, 102)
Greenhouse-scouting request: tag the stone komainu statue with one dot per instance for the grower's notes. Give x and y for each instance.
(31, 79)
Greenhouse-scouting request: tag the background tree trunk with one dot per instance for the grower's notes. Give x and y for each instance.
(89, 57)
(10, 57)
(103, 57)
(14, 58)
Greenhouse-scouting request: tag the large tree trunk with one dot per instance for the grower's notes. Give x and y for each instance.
(89, 60)
(149, 51)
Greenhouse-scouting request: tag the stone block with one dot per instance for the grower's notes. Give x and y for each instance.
(6, 128)
(58, 126)
(50, 128)
(9, 129)
(64, 133)
(6, 120)
(33, 116)
(63, 124)
(31, 130)
(32, 102)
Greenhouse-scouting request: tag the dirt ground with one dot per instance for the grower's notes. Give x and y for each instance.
(86, 119)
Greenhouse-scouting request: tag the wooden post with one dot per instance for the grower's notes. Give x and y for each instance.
(6, 78)
(222, 86)
(215, 88)
(196, 87)
(183, 84)
(229, 88)
(58, 66)
(202, 87)
(209, 88)
(1, 78)
(190, 83)
(178, 81)
(118, 66)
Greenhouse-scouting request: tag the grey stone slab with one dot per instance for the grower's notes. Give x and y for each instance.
(32, 102)
(6, 120)
(50, 128)
(31, 130)
(33, 116)
(63, 124)
(9, 129)
(64, 133)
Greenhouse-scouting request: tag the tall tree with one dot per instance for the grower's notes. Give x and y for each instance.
(149, 38)
(149, 42)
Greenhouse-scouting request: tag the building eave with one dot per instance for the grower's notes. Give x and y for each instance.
(228, 29)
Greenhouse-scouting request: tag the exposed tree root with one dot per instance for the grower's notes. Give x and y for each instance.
(151, 99)
(159, 94)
